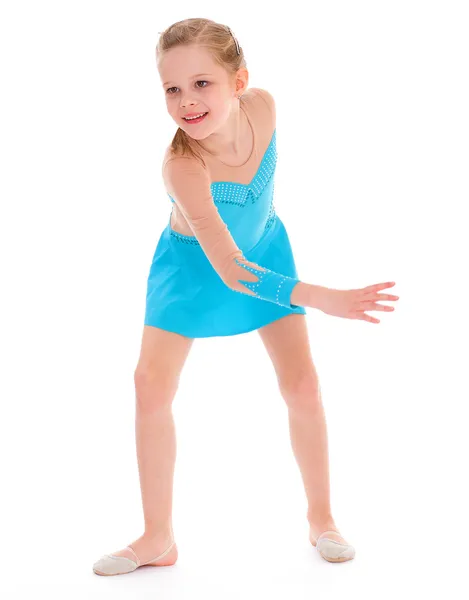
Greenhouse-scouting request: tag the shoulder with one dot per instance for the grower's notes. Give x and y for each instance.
(178, 163)
(264, 95)
(262, 103)
(180, 172)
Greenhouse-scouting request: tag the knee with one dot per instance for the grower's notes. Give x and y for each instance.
(301, 391)
(153, 388)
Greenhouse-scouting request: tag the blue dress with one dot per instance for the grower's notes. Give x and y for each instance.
(186, 295)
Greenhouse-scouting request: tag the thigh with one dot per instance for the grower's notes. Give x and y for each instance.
(287, 343)
(162, 353)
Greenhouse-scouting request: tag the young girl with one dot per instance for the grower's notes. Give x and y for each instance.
(224, 266)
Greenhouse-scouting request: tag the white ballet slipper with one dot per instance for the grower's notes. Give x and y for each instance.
(334, 551)
(109, 564)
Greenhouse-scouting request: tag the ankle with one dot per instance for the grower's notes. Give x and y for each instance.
(159, 536)
(319, 523)
(318, 513)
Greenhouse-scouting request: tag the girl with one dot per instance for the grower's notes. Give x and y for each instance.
(224, 266)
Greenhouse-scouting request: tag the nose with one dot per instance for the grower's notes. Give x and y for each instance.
(188, 102)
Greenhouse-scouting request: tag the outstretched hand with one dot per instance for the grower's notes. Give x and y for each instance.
(352, 304)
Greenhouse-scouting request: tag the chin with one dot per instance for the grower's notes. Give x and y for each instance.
(195, 136)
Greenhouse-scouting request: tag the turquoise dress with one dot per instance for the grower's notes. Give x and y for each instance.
(186, 295)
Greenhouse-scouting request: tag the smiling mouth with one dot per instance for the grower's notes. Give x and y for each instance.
(195, 119)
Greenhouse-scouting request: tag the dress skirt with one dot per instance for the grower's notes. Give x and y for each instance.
(186, 295)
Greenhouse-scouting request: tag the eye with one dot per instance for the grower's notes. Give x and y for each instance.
(168, 91)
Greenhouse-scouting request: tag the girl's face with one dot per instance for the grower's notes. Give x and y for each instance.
(194, 83)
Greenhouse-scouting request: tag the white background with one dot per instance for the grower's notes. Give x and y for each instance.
(372, 185)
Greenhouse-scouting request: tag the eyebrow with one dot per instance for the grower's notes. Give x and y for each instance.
(198, 75)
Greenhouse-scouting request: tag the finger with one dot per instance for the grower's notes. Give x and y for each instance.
(374, 306)
(370, 319)
(386, 297)
(371, 304)
(379, 286)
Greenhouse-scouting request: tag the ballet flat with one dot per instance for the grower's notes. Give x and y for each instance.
(334, 551)
(109, 564)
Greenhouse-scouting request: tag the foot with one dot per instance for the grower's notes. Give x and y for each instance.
(145, 548)
(330, 543)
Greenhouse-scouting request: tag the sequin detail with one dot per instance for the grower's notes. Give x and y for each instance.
(186, 239)
(270, 286)
(272, 214)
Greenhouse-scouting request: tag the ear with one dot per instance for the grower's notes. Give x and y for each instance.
(242, 81)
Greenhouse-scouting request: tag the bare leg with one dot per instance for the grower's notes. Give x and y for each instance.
(286, 341)
(162, 358)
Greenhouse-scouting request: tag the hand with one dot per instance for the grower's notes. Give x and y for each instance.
(352, 304)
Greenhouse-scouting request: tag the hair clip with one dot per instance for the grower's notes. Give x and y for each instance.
(236, 41)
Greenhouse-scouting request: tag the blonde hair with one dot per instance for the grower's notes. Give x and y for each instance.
(219, 41)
